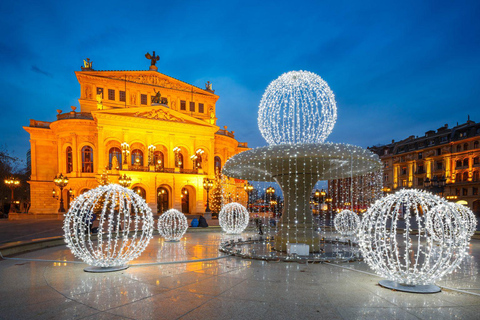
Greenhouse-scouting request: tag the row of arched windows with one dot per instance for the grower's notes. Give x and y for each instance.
(466, 147)
(459, 177)
(464, 163)
(87, 159)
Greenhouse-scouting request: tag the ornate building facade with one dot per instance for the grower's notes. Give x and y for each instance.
(159, 131)
(446, 161)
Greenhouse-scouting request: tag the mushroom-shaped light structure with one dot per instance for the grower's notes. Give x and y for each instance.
(124, 225)
(396, 243)
(172, 225)
(346, 222)
(233, 218)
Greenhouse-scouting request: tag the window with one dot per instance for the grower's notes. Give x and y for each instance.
(69, 156)
(137, 157)
(444, 139)
(404, 183)
(198, 162)
(464, 191)
(179, 160)
(192, 106)
(183, 105)
(459, 148)
(465, 147)
(158, 160)
(476, 160)
(87, 159)
(458, 177)
(439, 151)
(475, 175)
(100, 91)
(420, 169)
(420, 181)
(143, 99)
(465, 176)
(115, 158)
(404, 170)
(111, 94)
(122, 96)
(218, 164)
(420, 155)
(475, 145)
(475, 191)
(385, 178)
(457, 191)
(200, 108)
(465, 162)
(439, 165)
(458, 163)
(140, 191)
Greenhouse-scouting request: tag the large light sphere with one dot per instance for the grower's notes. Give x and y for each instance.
(469, 218)
(124, 221)
(233, 218)
(172, 225)
(396, 243)
(346, 222)
(297, 107)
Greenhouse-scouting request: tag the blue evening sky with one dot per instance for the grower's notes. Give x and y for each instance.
(397, 68)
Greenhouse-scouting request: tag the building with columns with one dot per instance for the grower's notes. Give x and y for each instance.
(159, 131)
(446, 161)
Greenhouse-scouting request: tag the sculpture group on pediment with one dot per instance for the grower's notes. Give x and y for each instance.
(158, 115)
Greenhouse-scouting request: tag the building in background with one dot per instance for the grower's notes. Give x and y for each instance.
(159, 131)
(445, 161)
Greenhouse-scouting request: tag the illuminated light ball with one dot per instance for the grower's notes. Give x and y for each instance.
(297, 107)
(395, 242)
(124, 225)
(346, 222)
(447, 224)
(469, 218)
(233, 218)
(172, 225)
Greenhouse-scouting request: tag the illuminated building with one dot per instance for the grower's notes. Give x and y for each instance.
(159, 131)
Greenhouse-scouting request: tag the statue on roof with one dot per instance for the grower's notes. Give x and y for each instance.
(153, 59)
(87, 65)
(208, 87)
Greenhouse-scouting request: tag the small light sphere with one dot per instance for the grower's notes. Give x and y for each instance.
(233, 218)
(172, 225)
(123, 221)
(346, 222)
(397, 242)
(297, 107)
(447, 224)
(468, 216)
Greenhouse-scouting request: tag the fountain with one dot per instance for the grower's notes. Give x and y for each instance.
(296, 114)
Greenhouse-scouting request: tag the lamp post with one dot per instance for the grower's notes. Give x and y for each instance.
(435, 185)
(12, 183)
(151, 158)
(125, 181)
(207, 185)
(248, 189)
(270, 192)
(61, 182)
(125, 152)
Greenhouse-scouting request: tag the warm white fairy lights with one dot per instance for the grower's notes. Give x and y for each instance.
(123, 221)
(297, 107)
(469, 218)
(446, 223)
(233, 218)
(346, 222)
(172, 225)
(396, 243)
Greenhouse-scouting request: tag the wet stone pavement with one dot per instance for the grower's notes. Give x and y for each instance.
(226, 288)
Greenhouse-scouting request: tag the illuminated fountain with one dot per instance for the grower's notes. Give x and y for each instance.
(296, 114)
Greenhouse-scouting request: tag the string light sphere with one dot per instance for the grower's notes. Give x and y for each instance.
(469, 218)
(124, 225)
(297, 107)
(233, 218)
(172, 225)
(448, 224)
(396, 243)
(346, 222)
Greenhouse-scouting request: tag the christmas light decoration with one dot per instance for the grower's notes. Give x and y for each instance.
(297, 107)
(447, 223)
(346, 222)
(172, 225)
(396, 243)
(233, 218)
(468, 217)
(124, 225)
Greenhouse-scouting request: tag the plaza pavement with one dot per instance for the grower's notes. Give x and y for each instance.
(224, 288)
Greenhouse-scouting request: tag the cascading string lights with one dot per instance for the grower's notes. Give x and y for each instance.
(397, 242)
(233, 218)
(124, 222)
(346, 222)
(172, 225)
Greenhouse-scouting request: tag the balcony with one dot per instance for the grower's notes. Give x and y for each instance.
(75, 115)
(164, 170)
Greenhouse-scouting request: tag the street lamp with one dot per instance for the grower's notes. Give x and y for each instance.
(124, 181)
(61, 182)
(248, 189)
(125, 152)
(207, 185)
(435, 185)
(270, 192)
(12, 183)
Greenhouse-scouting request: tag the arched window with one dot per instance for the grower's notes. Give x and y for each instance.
(218, 164)
(137, 157)
(115, 153)
(458, 163)
(458, 177)
(475, 145)
(185, 201)
(158, 160)
(140, 191)
(465, 147)
(476, 160)
(179, 160)
(162, 200)
(465, 176)
(87, 159)
(459, 148)
(69, 156)
(198, 162)
(465, 162)
(475, 175)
